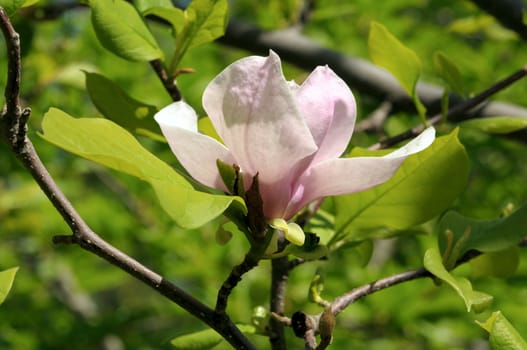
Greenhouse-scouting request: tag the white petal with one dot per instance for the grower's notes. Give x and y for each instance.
(196, 152)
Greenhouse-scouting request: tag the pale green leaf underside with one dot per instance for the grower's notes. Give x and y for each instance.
(6, 282)
(104, 142)
(502, 335)
(121, 30)
(415, 194)
(496, 125)
(433, 262)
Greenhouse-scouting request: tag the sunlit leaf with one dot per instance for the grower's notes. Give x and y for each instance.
(496, 125)
(502, 335)
(103, 141)
(143, 5)
(459, 234)
(11, 6)
(205, 21)
(176, 17)
(388, 52)
(6, 282)
(121, 30)
(415, 194)
(479, 301)
(113, 103)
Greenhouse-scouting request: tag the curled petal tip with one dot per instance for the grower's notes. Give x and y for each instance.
(178, 114)
(425, 139)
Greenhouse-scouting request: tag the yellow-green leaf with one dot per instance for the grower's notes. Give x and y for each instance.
(502, 335)
(104, 142)
(6, 282)
(478, 301)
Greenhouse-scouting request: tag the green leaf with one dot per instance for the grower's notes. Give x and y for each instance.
(121, 30)
(6, 282)
(176, 17)
(388, 52)
(449, 72)
(496, 125)
(205, 21)
(502, 335)
(473, 299)
(459, 234)
(501, 264)
(415, 194)
(144, 5)
(116, 105)
(11, 6)
(104, 142)
(205, 339)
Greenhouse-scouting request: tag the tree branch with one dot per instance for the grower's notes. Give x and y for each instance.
(13, 123)
(457, 113)
(295, 48)
(249, 262)
(168, 82)
(508, 12)
(279, 277)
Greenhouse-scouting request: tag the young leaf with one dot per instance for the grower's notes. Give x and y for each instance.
(415, 194)
(116, 105)
(205, 20)
(121, 30)
(6, 282)
(449, 72)
(104, 142)
(388, 52)
(176, 17)
(143, 5)
(502, 335)
(496, 125)
(433, 262)
(485, 236)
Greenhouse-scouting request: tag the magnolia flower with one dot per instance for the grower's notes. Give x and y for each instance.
(290, 135)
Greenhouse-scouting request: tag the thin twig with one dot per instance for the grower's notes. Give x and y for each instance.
(168, 82)
(249, 262)
(455, 113)
(340, 303)
(279, 277)
(13, 122)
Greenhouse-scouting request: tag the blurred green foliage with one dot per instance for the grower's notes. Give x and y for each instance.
(64, 298)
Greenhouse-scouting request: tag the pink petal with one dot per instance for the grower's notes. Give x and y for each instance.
(349, 175)
(329, 109)
(196, 152)
(255, 113)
